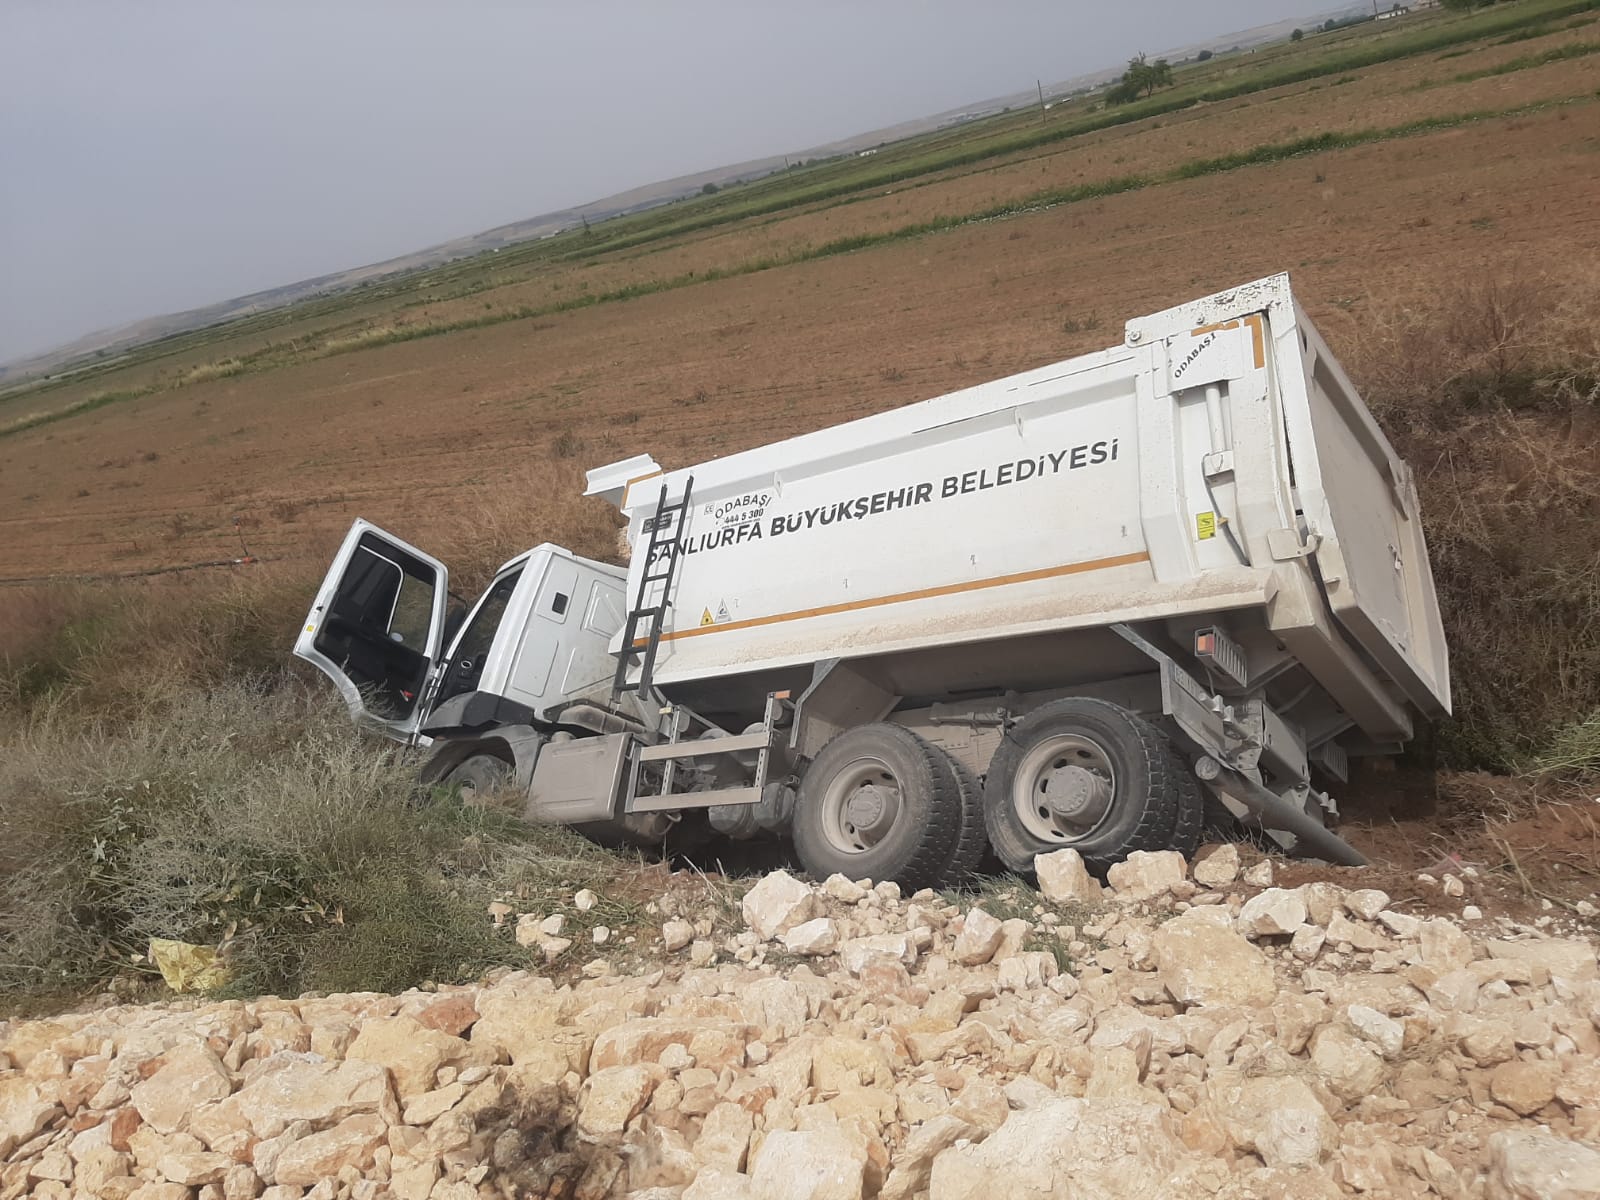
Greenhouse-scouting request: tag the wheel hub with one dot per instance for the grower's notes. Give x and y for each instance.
(1077, 795)
(869, 811)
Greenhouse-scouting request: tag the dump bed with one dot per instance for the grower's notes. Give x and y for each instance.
(1217, 460)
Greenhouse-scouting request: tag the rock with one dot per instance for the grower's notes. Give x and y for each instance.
(1529, 1165)
(837, 887)
(1444, 945)
(554, 947)
(1069, 1148)
(25, 1111)
(1524, 1087)
(1307, 942)
(191, 1076)
(675, 935)
(429, 1106)
(1565, 958)
(1400, 924)
(1146, 874)
(979, 938)
(777, 1007)
(193, 1169)
(1259, 875)
(913, 1164)
(612, 1097)
(818, 936)
(857, 954)
(411, 1051)
(1490, 1043)
(777, 904)
(1277, 1116)
(320, 1156)
(1389, 1036)
(1027, 971)
(1366, 903)
(1272, 913)
(1345, 1063)
(414, 1182)
(1454, 991)
(1344, 932)
(1452, 885)
(1201, 963)
(716, 1184)
(724, 1137)
(300, 1090)
(838, 1063)
(585, 900)
(600, 935)
(808, 1165)
(714, 1044)
(702, 952)
(1216, 866)
(1064, 879)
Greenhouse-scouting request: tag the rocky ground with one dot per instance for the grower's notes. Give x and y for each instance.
(1181, 1033)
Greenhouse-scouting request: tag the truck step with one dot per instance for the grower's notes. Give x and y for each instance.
(741, 795)
(759, 740)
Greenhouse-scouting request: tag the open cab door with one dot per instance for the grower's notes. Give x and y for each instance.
(377, 628)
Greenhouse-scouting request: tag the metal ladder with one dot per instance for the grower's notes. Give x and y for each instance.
(660, 565)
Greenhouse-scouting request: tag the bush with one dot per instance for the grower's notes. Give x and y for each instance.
(1492, 394)
(265, 823)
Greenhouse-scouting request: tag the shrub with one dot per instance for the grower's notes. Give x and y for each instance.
(1492, 394)
(262, 821)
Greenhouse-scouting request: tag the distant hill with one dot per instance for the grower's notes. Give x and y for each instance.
(107, 343)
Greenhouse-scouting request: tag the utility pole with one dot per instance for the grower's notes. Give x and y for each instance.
(1039, 83)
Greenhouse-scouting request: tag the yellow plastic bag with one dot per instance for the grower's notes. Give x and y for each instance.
(187, 967)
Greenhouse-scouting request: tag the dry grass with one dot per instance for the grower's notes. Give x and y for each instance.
(541, 502)
(1492, 394)
(102, 648)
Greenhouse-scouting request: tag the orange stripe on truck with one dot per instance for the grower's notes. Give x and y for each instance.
(950, 589)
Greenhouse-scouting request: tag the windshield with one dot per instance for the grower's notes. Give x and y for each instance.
(472, 648)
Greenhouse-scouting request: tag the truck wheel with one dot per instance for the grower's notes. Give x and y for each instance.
(879, 803)
(479, 776)
(1091, 776)
(972, 845)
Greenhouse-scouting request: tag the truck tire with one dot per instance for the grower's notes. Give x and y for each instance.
(1120, 787)
(879, 803)
(480, 776)
(972, 844)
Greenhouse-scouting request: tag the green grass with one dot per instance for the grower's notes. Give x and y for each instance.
(1553, 55)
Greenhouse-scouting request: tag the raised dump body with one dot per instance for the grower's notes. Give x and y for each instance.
(1097, 605)
(1218, 462)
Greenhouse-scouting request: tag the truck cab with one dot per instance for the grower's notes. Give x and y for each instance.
(381, 628)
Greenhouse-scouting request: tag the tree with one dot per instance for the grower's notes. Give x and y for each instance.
(1141, 78)
(709, 189)
(1297, 35)
(1203, 56)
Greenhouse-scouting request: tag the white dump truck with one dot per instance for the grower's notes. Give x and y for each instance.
(1102, 604)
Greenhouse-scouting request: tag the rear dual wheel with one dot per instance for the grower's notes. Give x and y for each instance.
(1093, 777)
(881, 803)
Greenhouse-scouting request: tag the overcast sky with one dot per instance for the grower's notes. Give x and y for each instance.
(160, 155)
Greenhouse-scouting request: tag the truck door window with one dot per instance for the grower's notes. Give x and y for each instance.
(466, 663)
